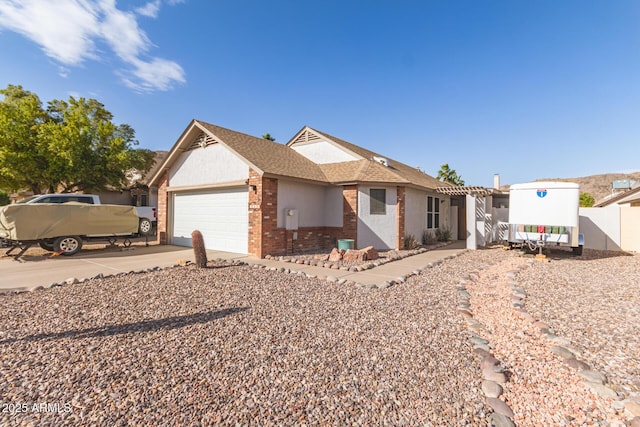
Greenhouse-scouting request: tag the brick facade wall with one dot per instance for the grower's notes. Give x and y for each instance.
(400, 217)
(265, 238)
(350, 213)
(163, 204)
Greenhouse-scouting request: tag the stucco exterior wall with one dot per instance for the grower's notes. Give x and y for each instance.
(322, 152)
(210, 165)
(416, 212)
(630, 228)
(317, 205)
(333, 206)
(378, 231)
(601, 227)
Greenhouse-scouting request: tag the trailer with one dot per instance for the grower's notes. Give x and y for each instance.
(545, 214)
(63, 228)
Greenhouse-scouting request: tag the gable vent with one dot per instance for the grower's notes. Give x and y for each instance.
(306, 137)
(202, 141)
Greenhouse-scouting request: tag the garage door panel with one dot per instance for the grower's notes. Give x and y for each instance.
(220, 215)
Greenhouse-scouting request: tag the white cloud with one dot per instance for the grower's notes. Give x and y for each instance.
(150, 9)
(68, 31)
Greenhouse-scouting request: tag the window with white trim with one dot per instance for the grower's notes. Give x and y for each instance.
(433, 212)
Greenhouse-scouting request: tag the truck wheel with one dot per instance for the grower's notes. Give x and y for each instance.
(47, 245)
(67, 245)
(144, 227)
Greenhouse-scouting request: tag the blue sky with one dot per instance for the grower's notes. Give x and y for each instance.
(526, 89)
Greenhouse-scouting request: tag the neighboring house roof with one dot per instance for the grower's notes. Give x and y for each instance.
(620, 197)
(275, 159)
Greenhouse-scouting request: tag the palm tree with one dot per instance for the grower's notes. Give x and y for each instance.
(447, 174)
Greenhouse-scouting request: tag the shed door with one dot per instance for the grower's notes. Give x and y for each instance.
(221, 216)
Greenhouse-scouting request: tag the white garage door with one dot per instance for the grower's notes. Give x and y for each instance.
(221, 215)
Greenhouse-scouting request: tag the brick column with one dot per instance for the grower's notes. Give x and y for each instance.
(264, 237)
(273, 241)
(350, 213)
(255, 214)
(163, 205)
(400, 218)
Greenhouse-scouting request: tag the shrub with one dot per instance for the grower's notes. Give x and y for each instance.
(443, 235)
(410, 242)
(4, 199)
(428, 238)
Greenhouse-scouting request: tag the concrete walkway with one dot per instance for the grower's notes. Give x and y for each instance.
(33, 272)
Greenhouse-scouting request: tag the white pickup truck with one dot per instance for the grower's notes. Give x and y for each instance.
(147, 214)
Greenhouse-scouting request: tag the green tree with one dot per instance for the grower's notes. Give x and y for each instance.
(21, 158)
(268, 137)
(447, 174)
(586, 200)
(4, 199)
(70, 146)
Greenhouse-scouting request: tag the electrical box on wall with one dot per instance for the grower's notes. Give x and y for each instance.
(291, 219)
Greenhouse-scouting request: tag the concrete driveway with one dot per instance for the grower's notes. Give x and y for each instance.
(34, 271)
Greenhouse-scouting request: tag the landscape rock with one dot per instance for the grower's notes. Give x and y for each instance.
(354, 255)
(577, 364)
(371, 253)
(491, 375)
(602, 390)
(499, 406)
(593, 376)
(499, 420)
(335, 255)
(562, 352)
(491, 388)
(632, 407)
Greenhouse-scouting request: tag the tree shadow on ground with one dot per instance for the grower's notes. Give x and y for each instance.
(167, 323)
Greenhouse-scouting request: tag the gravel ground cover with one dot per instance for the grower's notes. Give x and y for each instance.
(240, 345)
(594, 301)
(188, 346)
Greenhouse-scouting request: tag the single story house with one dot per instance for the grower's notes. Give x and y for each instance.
(254, 196)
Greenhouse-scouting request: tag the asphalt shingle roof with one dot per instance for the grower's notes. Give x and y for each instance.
(268, 156)
(404, 172)
(277, 159)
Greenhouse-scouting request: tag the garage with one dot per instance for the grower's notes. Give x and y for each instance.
(221, 215)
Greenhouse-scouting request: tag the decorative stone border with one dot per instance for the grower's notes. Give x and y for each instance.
(493, 374)
(561, 347)
(367, 265)
(333, 279)
(75, 280)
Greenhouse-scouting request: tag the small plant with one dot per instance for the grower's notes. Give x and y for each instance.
(410, 242)
(443, 235)
(200, 253)
(428, 238)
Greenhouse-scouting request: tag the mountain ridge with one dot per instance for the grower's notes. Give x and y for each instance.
(600, 185)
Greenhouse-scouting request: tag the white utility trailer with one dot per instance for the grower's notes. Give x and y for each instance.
(545, 214)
